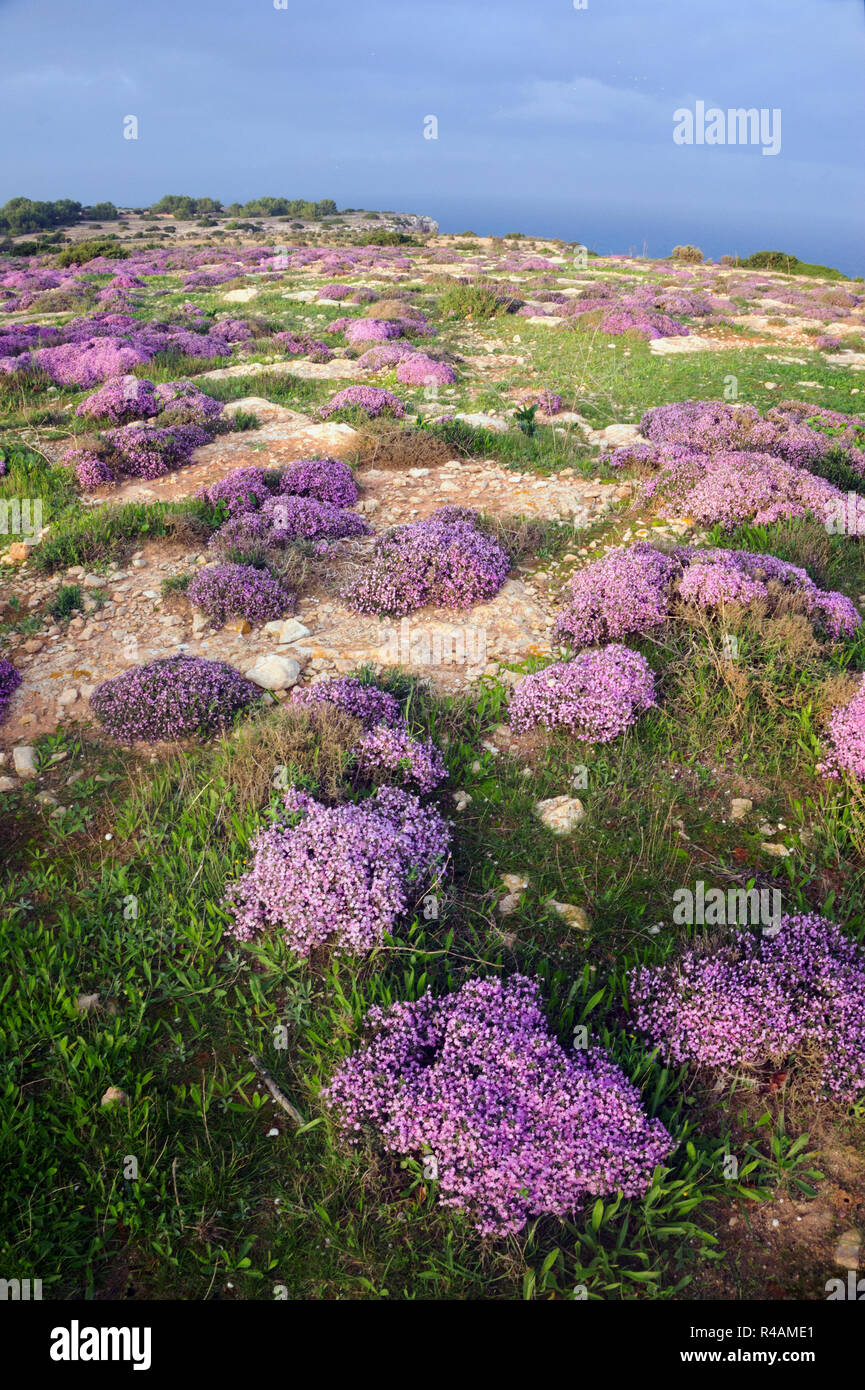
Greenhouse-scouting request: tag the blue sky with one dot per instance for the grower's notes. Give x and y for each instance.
(551, 120)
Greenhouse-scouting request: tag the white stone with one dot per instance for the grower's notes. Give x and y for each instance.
(560, 813)
(274, 672)
(291, 631)
(740, 806)
(22, 760)
(515, 883)
(848, 1249)
(570, 913)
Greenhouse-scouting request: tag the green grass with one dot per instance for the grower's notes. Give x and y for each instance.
(95, 537)
(217, 1199)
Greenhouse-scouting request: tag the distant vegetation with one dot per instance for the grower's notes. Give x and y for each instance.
(183, 206)
(24, 215)
(782, 260)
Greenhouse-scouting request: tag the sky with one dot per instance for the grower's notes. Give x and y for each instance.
(551, 120)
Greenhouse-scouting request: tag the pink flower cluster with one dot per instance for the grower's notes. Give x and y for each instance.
(713, 578)
(373, 400)
(846, 735)
(242, 490)
(239, 591)
(372, 330)
(596, 697)
(631, 590)
(170, 698)
(626, 592)
(773, 999)
(324, 479)
(731, 488)
(389, 751)
(367, 703)
(474, 1083)
(10, 679)
(121, 399)
(338, 873)
(446, 562)
(378, 359)
(421, 370)
(301, 345)
(714, 427)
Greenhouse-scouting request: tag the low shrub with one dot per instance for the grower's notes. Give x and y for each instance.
(516, 1126)
(171, 698)
(596, 697)
(795, 994)
(341, 873)
(239, 591)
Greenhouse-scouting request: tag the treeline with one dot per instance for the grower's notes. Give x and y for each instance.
(181, 206)
(29, 215)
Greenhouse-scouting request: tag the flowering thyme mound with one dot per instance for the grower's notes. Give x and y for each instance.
(385, 752)
(365, 703)
(373, 400)
(10, 679)
(292, 518)
(325, 479)
(517, 1126)
(181, 402)
(631, 590)
(173, 697)
(730, 488)
(846, 734)
(121, 399)
(420, 370)
(341, 873)
(787, 432)
(242, 490)
(713, 578)
(626, 592)
(444, 561)
(763, 1000)
(149, 451)
(285, 519)
(239, 591)
(597, 696)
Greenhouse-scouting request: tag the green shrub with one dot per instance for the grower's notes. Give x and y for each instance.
(83, 251)
(68, 600)
(471, 301)
(687, 253)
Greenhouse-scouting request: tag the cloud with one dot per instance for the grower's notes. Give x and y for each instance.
(585, 101)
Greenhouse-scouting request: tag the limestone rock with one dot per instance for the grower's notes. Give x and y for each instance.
(740, 806)
(23, 760)
(274, 672)
(570, 913)
(848, 1249)
(291, 631)
(560, 813)
(114, 1096)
